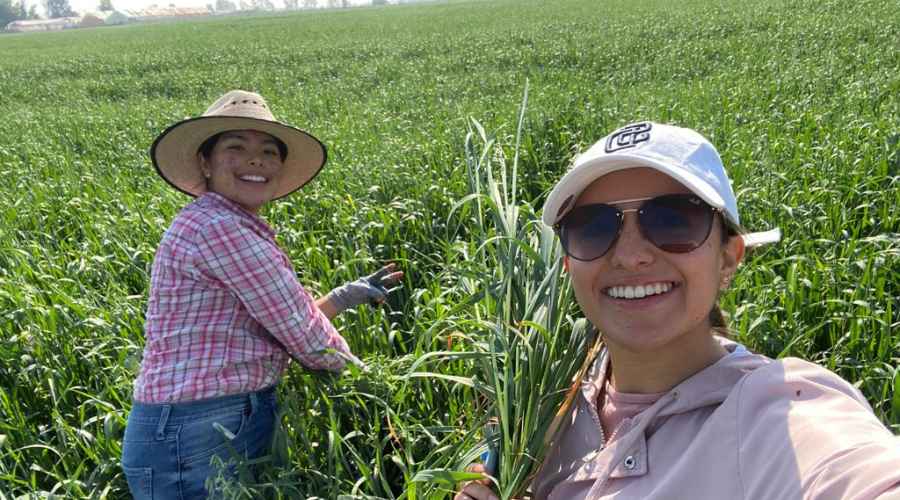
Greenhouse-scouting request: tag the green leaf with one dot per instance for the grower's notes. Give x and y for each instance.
(445, 476)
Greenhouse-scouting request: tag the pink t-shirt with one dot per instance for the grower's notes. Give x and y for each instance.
(618, 406)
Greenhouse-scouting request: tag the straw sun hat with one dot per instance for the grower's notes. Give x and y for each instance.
(174, 152)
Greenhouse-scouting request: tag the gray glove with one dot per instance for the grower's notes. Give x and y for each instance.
(372, 289)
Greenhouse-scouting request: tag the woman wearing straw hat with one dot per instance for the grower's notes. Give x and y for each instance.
(226, 312)
(671, 409)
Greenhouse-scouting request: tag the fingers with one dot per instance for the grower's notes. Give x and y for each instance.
(386, 276)
(392, 279)
(372, 289)
(381, 273)
(476, 491)
(476, 468)
(380, 282)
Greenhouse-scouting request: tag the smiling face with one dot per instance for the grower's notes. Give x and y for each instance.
(676, 290)
(243, 166)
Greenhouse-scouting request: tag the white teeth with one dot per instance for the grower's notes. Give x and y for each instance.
(253, 178)
(639, 291)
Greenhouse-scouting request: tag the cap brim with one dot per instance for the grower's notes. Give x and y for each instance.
(761, 238)
(563, 196)
(174, 152)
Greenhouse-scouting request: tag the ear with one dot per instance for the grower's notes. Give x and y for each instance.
(204, 166)
(732, 255)
(566, 263)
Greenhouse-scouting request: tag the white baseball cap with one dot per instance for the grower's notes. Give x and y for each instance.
(680, 153)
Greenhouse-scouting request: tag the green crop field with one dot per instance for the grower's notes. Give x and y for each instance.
(801, 97)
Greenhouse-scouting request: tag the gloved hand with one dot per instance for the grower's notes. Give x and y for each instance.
(372, 289)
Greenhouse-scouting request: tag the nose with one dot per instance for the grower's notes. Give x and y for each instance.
(631, 250)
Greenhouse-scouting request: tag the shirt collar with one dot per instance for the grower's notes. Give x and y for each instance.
(216, 200)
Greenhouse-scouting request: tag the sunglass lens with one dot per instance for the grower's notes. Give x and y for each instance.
(676, 223)
(588, 231)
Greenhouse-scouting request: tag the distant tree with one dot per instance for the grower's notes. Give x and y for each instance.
(10, 12)
(225, 6)
(333, 4)
(7, 12)
(310, 4)
(291, 4)
(105, 5)
(58, 8)
(379, 2)
(345, 4)
(262, 5)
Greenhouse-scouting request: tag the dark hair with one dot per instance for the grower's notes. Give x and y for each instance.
(716, 317)
(717, 320)
(206, 148)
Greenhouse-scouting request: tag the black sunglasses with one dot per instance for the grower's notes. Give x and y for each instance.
(676, 223)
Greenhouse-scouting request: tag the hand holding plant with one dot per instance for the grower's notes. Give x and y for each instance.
(480, 489)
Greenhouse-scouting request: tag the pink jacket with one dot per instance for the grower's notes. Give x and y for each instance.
(746, 428)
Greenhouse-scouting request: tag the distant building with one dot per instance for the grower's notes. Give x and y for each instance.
(166, 13)
(38, 25)
(106, 18)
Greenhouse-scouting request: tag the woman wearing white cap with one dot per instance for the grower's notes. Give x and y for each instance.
(226, 312)
(671, 410)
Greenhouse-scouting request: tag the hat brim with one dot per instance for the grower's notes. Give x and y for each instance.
(566, 192)
(174, 152)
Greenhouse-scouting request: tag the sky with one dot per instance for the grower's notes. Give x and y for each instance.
(91, 5)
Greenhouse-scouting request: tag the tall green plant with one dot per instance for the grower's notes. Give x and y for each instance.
(527, 346)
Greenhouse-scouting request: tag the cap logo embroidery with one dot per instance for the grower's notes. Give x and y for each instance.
(628, 137)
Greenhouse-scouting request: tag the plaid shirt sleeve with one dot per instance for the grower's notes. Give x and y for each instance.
(259, 274)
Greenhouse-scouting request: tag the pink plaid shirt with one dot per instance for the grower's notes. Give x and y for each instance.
(220, 290)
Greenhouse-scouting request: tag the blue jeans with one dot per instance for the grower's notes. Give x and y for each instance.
(167, 448)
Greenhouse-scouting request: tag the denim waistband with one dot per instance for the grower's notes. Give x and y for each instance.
(174, 412)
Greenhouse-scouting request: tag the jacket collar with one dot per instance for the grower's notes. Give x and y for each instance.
(713, 384)
(709, 386)
(627, 455)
